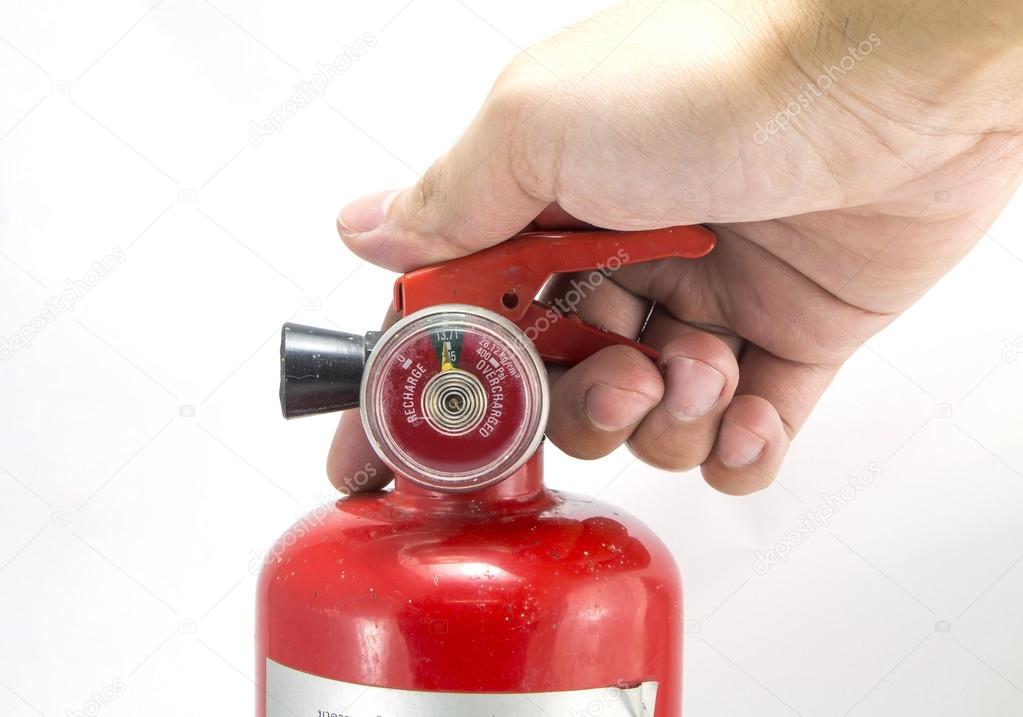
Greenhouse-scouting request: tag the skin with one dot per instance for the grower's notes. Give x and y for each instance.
(870, 184)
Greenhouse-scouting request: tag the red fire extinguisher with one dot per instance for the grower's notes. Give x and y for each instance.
(470, 589)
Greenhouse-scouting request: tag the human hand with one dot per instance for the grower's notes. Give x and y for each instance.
(845, 157)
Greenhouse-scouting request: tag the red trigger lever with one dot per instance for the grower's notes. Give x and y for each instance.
(505, 279)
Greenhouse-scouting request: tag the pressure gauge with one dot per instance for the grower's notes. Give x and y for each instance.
(454, 397)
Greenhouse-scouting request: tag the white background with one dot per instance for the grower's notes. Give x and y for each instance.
(144, 465)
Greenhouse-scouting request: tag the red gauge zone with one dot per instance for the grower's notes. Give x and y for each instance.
(453, 400)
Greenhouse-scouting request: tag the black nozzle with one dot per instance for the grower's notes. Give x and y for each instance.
(321, 370)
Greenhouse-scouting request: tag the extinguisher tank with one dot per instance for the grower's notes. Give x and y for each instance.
(470, 589)
(516, 601)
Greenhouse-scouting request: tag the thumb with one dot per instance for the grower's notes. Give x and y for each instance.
(471, 197)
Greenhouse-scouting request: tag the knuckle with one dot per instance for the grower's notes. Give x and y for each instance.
(726, 482)
(569, 443)
(523, 85)
(667, 454)
(426, 193)
(525, 107)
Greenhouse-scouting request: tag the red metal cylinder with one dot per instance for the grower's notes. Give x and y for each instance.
(510, 590)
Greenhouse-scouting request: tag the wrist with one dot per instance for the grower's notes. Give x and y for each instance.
(936, 64)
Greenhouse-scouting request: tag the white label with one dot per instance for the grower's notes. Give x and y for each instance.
(290, 693)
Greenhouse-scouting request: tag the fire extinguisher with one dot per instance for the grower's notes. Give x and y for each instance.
(470, 589)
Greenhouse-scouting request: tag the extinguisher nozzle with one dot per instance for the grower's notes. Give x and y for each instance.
(321, 370)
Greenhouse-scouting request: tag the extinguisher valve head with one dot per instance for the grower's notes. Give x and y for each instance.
(454, 397)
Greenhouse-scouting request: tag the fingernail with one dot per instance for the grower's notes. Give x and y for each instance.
(738, 447)
(365, 214)
(612, 409)
(694, 388)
